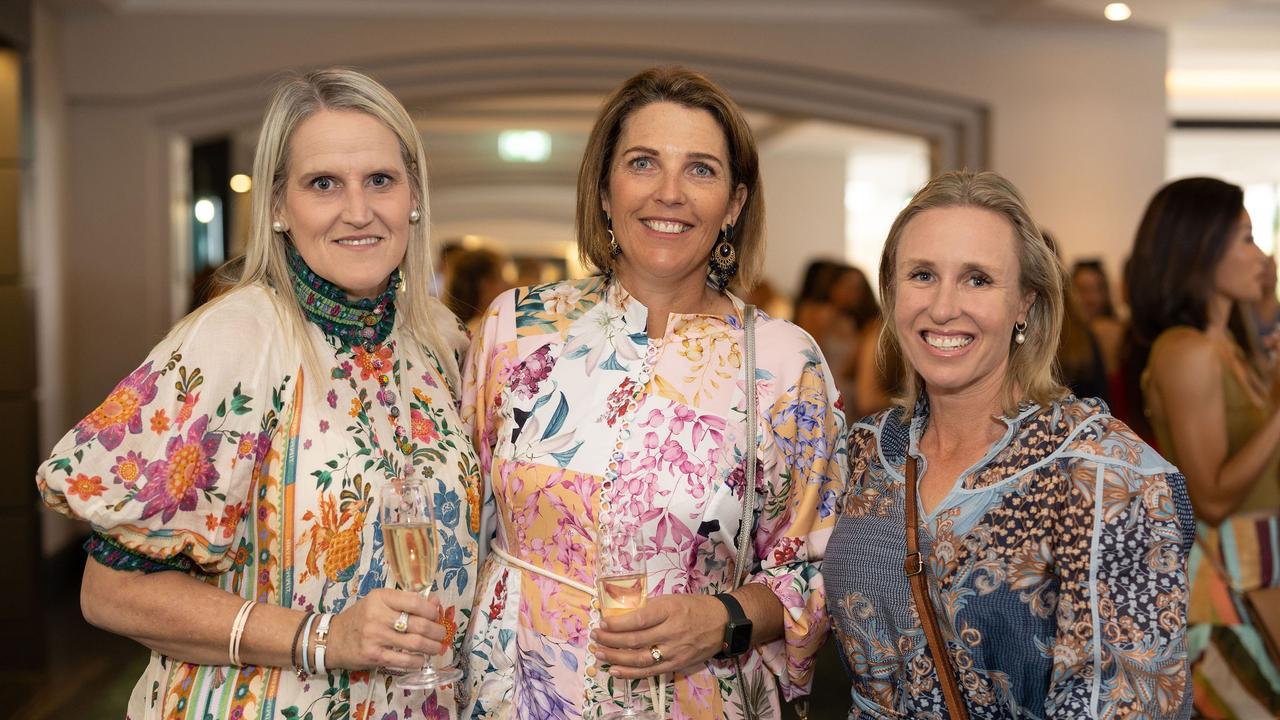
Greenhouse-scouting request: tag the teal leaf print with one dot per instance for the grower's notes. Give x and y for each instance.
(564, 457)
(611, 363)
(62, 464)
(557, 418)
(240, 401)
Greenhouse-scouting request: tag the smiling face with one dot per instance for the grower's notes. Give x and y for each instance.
(1240, 273)
(669, 194)
(347, 199)
(958, 296)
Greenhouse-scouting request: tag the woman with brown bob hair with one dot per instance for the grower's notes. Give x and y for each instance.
(620, 402)
(1049, 578)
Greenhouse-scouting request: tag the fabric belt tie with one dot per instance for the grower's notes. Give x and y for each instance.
(657, 690)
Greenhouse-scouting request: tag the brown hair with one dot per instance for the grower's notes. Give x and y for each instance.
(1031, 364)
(692, 90)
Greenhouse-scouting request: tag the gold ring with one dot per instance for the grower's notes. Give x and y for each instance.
(402, 623)
(656, 653)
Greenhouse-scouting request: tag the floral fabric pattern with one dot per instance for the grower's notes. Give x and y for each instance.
(266, 480)
(580, 418)
(1057, 568)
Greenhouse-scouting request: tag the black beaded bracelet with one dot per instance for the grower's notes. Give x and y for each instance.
(293, 649)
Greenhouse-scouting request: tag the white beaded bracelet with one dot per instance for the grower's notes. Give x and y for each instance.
(322, 637)
(237, 631)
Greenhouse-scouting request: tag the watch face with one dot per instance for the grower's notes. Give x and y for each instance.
(739, 639)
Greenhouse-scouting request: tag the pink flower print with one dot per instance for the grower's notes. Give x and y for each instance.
(650, 440)
(428, 380)
(248, 443)
(121, 411)
(424, 428)
(174, 483)
(529, 374)
(681, 416)
(128, 468)
(324, 426)
(332, 399)
(431, 710)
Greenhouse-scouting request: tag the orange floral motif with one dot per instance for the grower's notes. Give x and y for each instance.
(374, 363)
(472, 485)
(424, 428)
(448, 619)
(85, 487)
(356, 408)
(159, 421)
(184, 414)
(336, 536)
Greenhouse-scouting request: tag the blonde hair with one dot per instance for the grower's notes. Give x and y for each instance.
(692, 90)
(1031, 364)
(265, 262)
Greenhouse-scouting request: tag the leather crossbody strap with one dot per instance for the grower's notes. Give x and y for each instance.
(913, 565)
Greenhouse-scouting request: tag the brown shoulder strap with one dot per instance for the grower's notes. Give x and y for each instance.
(913, 565)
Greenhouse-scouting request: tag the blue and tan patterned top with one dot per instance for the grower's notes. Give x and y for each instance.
(1057, 568)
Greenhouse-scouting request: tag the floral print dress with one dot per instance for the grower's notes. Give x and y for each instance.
(220, 456)
(581, 419)
(1057, 568)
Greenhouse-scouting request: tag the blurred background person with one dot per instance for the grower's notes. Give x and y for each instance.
(1079, 357)
(1050, 537)
(232, 479)
(474, 279)
(620, 399)
(1212, 405)
(1092, 290)
(825, 308)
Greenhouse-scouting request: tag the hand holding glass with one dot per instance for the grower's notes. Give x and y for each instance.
(621, 586)
(409, 535)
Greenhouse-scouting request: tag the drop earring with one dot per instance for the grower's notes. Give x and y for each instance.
(723, 264)
(1020, 334)
(614, 249)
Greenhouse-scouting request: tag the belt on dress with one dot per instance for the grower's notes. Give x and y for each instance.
(657, 690)
(510, 559)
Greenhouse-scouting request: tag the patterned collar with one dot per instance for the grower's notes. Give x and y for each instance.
(686, 325)
(366, 322)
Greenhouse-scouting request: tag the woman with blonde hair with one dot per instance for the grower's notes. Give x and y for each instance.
(232, 480)
(1005, 549)
(623, 401)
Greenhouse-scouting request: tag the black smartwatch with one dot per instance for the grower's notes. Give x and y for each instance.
(737, 632)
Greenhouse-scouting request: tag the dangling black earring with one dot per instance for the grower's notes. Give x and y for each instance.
(614, 249)
(723, 264)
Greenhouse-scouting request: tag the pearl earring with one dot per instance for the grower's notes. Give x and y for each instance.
(414, 216)
(1021, 335)
(277, 226)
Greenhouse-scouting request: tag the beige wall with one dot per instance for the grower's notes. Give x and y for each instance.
(1077, 121)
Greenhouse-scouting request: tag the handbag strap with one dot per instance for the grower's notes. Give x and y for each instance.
(913, 566)
(749, 481)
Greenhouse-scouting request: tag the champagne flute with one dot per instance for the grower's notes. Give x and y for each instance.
(621, 585)
(409, 534)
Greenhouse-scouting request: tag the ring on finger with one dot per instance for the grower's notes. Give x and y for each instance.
(656, 654)
(401, 623)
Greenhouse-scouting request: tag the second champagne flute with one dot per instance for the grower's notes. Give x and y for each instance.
(409, 534)
(621, 586)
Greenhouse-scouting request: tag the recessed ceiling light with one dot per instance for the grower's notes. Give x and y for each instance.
(532, 146)
(1117, 12)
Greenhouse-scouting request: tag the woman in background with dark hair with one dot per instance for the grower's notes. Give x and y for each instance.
(1213, 408)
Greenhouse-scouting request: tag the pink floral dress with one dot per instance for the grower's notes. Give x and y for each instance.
(579, 418)
(221, 457)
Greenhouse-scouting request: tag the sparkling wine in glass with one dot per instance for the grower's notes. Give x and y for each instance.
(409, 539)
(621, 586)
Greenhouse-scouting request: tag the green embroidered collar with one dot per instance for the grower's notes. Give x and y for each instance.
(366, 322)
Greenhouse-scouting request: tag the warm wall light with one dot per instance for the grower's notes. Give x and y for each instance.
(241, 183)
(1225, 82)
(205, 210)
(524, 146)
(1117, 12)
